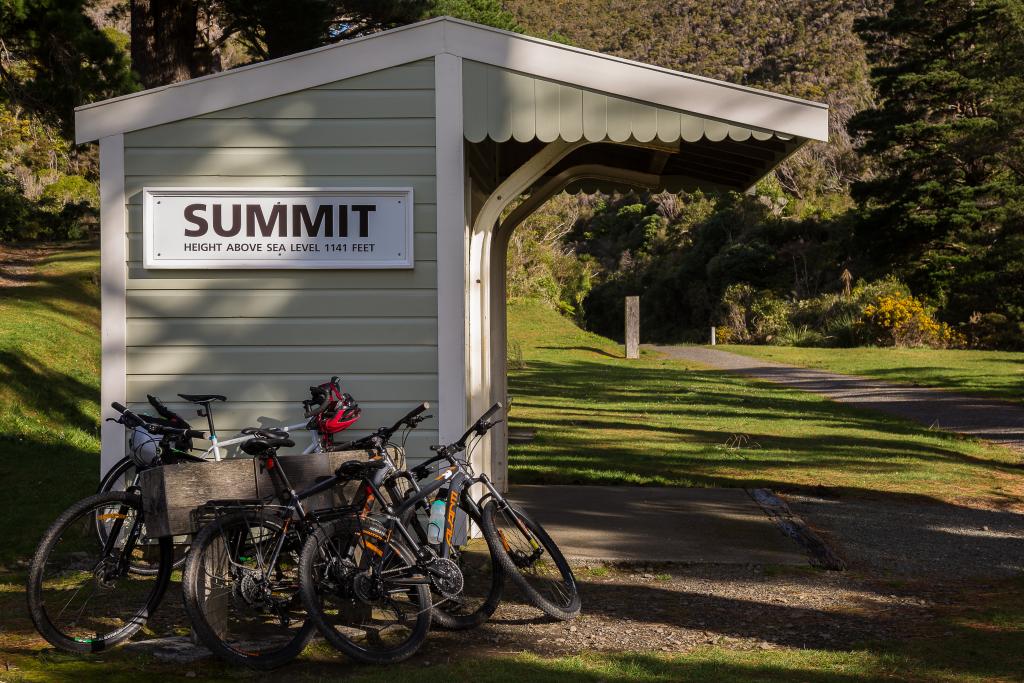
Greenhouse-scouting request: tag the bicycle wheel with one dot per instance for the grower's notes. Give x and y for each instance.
(532, 560)
(483, 584)
(121, 477)
(81, 595)
(364, 591)
(243, 607)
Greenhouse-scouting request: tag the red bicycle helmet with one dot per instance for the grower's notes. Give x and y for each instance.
(341, 411)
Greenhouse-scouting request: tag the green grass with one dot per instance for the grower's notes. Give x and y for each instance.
(49, 391)
(601, 419)
(985, 373)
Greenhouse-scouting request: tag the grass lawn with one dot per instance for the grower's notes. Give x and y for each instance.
(601, 419)
(49, 389)
(998, 374)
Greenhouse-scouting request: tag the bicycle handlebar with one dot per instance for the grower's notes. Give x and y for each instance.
(132, 420)
(409, 419)
(479, 427)
(384, 434)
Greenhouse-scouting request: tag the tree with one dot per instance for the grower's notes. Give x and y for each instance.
(486, 12)
(62, 59)
(270, 28)
(163, 44)
(945, 207)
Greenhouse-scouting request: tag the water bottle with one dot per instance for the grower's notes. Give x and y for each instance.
(435, 527)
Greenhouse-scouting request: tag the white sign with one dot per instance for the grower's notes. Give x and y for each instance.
(301, 227)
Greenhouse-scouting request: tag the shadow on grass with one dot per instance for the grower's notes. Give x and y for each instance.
(586, 349)
(969, 383)
(41, 480)
(566, 400)
(56, 396)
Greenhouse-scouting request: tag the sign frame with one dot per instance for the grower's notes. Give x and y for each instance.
(153, 194)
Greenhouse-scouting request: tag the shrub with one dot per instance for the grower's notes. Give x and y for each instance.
(847, 330)
(799, 336)
(752, 315)
(993, 331)
(902, 320)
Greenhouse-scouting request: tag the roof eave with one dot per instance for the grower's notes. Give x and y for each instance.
(541, 58)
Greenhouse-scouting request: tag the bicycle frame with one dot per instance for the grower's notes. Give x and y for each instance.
(215, 448)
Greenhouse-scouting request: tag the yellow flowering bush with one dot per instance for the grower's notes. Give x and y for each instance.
(902, 320)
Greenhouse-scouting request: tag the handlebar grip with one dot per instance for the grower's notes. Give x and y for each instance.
(195, 434)
(420, 409)
(490, 411)
(119, 407)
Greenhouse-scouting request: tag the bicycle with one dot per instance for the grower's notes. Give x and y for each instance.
(348, 583)
(483, 578)
(73, 564)
(124, 472)
(146, 452)
(240, 582)
(248, 552)
(526, 552)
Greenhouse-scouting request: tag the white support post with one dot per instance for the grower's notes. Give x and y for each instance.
(452, 241)
(113, 284)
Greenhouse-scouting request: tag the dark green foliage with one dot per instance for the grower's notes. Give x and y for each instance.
(270, 28)
(54, 59)
(945, 207)
(681, 253)
(67, 60)
(486, 12)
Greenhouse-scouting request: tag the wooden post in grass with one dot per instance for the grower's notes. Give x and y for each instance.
(632, 327)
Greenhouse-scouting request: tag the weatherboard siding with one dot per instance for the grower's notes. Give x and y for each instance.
(262, 338)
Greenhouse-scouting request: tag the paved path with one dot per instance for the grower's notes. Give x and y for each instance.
(991, 419)
(653, 524)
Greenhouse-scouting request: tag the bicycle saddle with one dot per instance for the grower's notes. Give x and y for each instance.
(202, 398)
(266, 441)
(359, 469)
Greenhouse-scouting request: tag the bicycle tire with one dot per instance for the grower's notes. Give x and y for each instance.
(34, 588)
(553, 610)
(114, 473)
(308, 583)
(207, 633)
(462, 622)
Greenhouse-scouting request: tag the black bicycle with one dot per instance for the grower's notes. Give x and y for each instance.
(96, 578)
(524, 550)
(482, 576)
(150, 445)
(354, 579)
(240, 583)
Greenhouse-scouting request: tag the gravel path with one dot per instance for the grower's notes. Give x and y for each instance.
(990, 419)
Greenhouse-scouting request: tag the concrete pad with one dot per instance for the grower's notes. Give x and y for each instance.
(652, 524)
